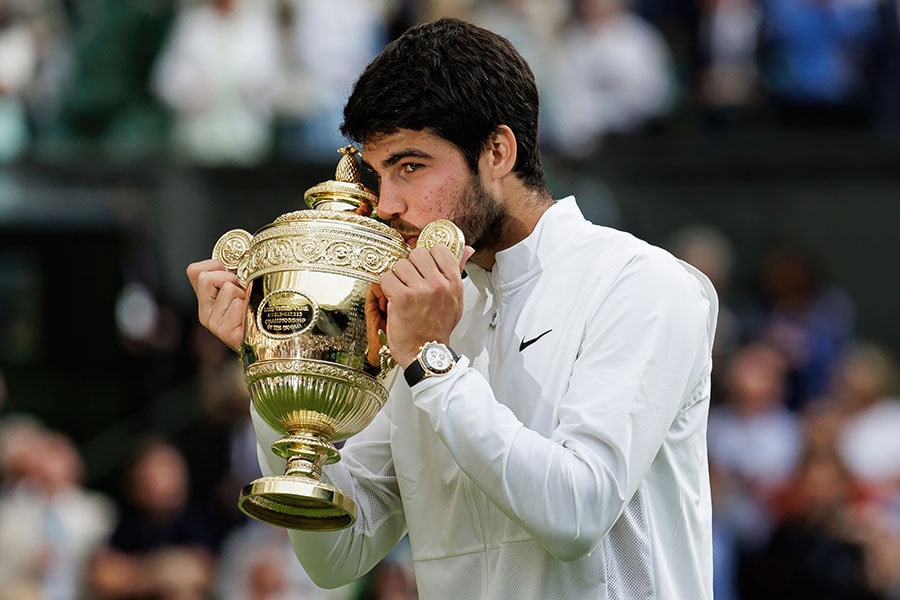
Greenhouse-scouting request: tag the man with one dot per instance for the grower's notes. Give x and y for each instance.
(563, 455)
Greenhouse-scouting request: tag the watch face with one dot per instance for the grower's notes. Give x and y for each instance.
(437, 358)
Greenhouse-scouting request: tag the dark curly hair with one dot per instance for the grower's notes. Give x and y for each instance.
(456, 80)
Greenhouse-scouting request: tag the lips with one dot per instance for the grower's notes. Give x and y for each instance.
(410, 234)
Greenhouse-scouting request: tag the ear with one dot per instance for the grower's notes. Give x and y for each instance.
(499, 157)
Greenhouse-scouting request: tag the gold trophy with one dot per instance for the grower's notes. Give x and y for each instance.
(308, 351)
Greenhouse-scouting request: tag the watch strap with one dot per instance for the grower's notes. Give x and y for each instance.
(414, 373)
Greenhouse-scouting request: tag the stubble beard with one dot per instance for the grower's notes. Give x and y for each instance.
(480, 216)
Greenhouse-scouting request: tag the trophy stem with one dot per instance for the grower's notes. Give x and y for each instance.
(302, 467)
(306, 453)
(299, 499)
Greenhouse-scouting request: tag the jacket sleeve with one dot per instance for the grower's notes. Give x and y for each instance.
(645, 348)
(366, 474)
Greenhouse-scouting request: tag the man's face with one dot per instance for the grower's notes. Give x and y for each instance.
(423, 177)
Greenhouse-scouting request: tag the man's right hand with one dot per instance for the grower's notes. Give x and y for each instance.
(221, 301)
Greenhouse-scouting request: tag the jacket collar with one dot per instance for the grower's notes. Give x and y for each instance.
(522, 261)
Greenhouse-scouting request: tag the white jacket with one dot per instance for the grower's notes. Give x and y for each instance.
(565, 454)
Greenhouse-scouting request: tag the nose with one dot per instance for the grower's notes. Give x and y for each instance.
(390, 203)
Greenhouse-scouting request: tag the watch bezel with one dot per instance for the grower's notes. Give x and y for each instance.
(419, 369)
(431, 369)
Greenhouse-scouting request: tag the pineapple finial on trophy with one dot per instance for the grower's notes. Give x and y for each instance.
(345, 192)
(348, 168)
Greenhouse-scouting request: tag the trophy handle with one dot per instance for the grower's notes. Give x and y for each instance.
(231, 248)
(442, 231)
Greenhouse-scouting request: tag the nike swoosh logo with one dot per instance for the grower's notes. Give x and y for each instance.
(525, 343)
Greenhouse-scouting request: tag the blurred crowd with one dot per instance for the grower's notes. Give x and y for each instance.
(803, 449)
(172, 529)
(238, 82)
(805, 459)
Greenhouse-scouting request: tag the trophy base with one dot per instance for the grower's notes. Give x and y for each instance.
(295, 502)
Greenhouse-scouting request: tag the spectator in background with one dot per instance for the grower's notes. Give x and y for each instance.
(807, 318)
(726, 533)
(612, 76)
(817, 57)
(49, 523)
(18, 434)
(728, 77)
(837, 533)
(219, 443)
(531, 25)
(325, 46)
(679, 23)
(18, 67)
(106, 104)
(218, 73)
(389, 581)
(753, 415)
(818, 547)
(754, 442)
(258, 563)
(49, 21)
(161, 546)
(866, 387)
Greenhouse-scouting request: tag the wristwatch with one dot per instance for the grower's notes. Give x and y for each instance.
(434, 359)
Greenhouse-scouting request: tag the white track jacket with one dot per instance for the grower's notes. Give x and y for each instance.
(564, 456)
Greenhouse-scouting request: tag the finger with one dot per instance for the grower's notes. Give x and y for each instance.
(225, 316)
(446, 262)
(403, 271)
(427, 262)
(375, 298)
(376, 323)
(209, 283)
(194, 270)
(422, 264)
(374, 293)
(388, 279)
(214, 306)
(232, 329)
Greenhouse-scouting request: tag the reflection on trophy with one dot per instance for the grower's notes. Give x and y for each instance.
(317, 372)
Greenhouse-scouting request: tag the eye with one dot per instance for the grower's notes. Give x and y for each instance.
(412, 167)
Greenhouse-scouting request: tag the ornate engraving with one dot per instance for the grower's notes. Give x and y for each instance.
(444, 232)
(324, 245)
(314, 369)
(231, 247)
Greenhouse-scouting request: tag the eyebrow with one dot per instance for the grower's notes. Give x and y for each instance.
(397, 156)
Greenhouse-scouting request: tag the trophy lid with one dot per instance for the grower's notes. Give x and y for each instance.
(344, 192)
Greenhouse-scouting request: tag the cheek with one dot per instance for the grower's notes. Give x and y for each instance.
(438, 201)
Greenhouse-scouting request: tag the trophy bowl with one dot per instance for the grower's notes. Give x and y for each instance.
(316, 370)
